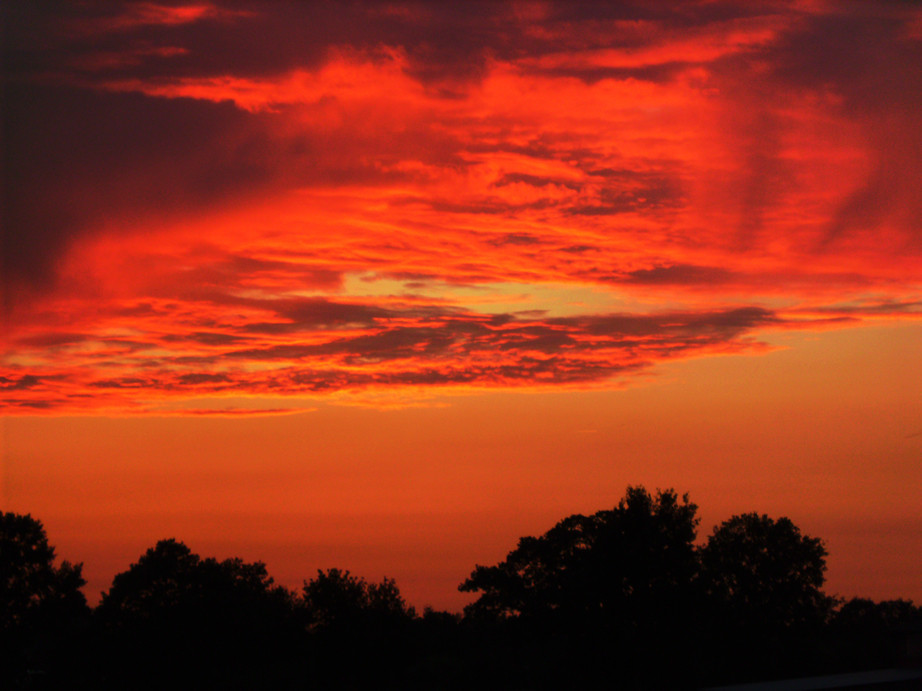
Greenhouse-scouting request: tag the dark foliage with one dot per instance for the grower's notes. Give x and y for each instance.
(594, 565)
(175, 620)
(759, 568)
(619, 599)
(869, 635)
(614, 588)
(764, 605)
(42, 611)
(337, 600)
(352, 620)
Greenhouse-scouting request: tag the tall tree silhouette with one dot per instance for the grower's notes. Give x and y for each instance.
(41, 606)
(613, 586)
(767, 570)
(763, 580)
(612, 562)
(194, 622)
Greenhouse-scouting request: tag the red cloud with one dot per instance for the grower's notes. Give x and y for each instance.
(271, 200)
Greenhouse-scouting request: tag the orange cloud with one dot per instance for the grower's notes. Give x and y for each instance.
(562, 196)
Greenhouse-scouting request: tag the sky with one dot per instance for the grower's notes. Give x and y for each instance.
(386, 286)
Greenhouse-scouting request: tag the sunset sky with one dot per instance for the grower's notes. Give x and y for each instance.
(387, 286)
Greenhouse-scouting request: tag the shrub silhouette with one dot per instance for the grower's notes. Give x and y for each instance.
(866, 634)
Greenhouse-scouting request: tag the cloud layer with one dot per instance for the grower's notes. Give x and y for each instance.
(273, 199)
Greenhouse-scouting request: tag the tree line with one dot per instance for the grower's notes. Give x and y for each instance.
(623, 598)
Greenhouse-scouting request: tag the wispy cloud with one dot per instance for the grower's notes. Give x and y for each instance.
(274, 199)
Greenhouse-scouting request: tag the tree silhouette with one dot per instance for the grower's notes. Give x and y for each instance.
(41, 606)
(610, 562)
(763, 580)
(170, 578)
(195, 622)
(613, 586)
(867, 634)
(765, 569)
(336, 599)
(353, 620)
(619, 598)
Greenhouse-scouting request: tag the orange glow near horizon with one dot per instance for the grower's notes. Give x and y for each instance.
(527, 254)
